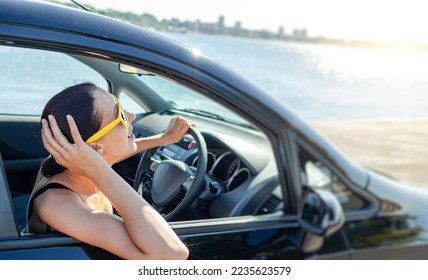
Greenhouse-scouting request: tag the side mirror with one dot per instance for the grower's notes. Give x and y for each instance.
(319, 215)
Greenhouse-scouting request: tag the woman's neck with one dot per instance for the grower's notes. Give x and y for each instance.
(77, 182)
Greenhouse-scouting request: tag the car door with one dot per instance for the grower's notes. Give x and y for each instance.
(269, 236)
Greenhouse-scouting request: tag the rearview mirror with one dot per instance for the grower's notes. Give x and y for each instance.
(319, 215)
(133, 70)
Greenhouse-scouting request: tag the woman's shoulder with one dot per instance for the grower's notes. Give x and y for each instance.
(54, 197)
(45, 198)
(47, 185)
(42, 192)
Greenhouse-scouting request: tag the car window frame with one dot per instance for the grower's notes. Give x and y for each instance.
(373, 203)
(71, 43)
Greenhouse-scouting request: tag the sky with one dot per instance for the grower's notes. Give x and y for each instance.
(396, 21)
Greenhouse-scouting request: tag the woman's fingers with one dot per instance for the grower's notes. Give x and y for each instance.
(179, 126)
(49, 141)
(182, 122)
(55, 141)
(75, 132)
(60, 138)
(191, 123)
(48, 136)
(185, 124)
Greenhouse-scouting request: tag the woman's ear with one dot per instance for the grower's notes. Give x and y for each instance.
(97, 147)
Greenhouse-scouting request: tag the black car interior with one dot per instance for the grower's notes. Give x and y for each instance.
(22, 153)
(7, 210)
(229, 186)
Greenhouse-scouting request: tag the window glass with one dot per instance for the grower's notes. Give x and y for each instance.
(29, 78)
(315, 174)
(182, 98)
(129, 104)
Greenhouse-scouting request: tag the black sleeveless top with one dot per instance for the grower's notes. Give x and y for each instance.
(38, 225)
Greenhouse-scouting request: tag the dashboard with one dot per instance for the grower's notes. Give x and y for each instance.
(223, 165)
(241, 176)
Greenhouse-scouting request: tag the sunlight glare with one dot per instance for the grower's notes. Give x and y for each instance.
(368, 63)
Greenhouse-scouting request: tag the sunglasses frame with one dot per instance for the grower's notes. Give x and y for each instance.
(103, 131)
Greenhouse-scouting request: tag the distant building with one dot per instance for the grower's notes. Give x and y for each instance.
(219, 28)
(281, 33)
(238, 26)
(207, 27)
(299, 35)
(221, 24)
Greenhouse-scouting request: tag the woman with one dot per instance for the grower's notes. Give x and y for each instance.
(85, 130)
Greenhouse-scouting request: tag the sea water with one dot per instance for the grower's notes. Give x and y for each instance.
(317, 82)
(322, 82)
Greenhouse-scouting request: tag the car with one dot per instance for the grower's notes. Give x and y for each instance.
(257, 181)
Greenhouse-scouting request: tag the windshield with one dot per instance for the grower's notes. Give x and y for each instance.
(184, 99)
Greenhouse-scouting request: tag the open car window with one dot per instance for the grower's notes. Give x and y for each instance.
(241, 177)
(29, 77)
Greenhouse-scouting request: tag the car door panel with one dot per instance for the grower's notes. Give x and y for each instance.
(22, 151)
(273, 236)
(55, 247)
(221, 241)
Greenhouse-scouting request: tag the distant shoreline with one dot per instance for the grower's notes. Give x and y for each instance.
(149, 21)
(324, 41)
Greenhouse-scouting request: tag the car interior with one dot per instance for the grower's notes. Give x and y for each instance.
(241, 175)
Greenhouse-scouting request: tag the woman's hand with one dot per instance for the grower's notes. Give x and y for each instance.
(177, 128)
(79, 157)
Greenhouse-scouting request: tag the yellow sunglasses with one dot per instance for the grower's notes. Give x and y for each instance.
(121, 118)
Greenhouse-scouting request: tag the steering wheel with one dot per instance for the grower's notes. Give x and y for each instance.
(172, 177)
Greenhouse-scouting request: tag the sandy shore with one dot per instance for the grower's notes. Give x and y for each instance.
(395, 147)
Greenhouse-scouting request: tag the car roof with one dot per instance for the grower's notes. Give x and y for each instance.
(59, 17)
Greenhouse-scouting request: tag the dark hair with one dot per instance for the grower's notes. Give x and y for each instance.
(77, 101)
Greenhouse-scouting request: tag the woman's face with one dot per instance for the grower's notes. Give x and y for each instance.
(120, 141)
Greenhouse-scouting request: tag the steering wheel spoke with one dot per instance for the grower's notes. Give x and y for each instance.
(172, 177)
(188, 182)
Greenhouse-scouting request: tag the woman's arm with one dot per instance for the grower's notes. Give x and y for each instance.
(177, 128)
(147, 229)
(93, 227)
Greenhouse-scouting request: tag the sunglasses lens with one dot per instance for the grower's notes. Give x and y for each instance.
(124, 117)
